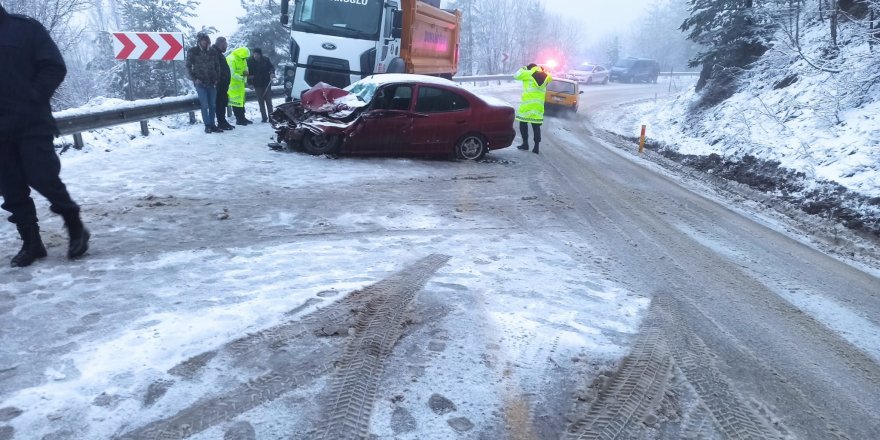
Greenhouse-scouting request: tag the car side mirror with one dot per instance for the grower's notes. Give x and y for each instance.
(581, 92)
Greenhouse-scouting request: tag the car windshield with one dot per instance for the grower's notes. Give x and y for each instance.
(625, 63)
(354, 19)
(364, 90)
(587, 68)
(561, 87)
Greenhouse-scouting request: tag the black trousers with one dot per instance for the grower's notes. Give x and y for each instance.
(524, 132)
(222, 103)
(26, 163)
(264, 97)
(239, 114)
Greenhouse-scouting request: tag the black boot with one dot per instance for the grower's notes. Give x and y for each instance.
(537, 144)
(79, 236)
(523, 146)
(32, 249)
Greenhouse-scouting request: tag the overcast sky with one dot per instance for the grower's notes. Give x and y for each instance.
(600, 17)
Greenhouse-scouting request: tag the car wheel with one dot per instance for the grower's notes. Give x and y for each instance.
(318, 144)
(471, 147)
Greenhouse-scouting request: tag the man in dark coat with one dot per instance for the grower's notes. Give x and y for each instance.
(220, 45)
(204, 71)
(262, 73)
(34, 70)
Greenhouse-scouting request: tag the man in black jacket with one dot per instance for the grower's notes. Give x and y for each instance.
(220, 45)
(262, 73)
(34, 71)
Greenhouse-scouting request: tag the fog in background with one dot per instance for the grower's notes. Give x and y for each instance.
(638, 26)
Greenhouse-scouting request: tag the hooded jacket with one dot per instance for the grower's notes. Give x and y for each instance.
(238, 69)
(535, 82)
(33, 70)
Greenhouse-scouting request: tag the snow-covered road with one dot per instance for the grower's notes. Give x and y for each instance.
(229, 285)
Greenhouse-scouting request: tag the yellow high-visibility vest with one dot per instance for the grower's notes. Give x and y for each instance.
(531, 109)
(237, 61)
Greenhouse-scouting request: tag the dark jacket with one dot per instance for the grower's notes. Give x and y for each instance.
(33, 69)
(203, 65)
(225, 75)
(260, 71)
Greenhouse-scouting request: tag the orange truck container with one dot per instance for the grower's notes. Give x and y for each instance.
(430, 38)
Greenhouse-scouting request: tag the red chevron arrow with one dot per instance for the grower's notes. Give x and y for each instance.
(152, 46)
(127, 46)
(175, 48)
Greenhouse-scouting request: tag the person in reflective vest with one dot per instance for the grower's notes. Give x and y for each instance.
(238, 69)
(531, 109)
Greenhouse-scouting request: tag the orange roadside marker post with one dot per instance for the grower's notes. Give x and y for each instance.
(642, 140)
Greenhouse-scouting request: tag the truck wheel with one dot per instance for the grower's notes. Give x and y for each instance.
(471, 147)
(318, 144)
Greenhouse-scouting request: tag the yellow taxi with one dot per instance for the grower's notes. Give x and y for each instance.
(562, 94)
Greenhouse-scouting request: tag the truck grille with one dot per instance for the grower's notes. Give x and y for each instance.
(331, 71)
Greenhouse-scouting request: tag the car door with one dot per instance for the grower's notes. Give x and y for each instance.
(385, 128)
(601, 75)
(441, 117)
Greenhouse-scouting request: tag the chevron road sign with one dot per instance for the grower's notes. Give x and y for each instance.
(165, 46)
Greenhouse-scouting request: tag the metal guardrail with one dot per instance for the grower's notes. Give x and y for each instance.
(500, 78)
(134, 111)
(482, 78)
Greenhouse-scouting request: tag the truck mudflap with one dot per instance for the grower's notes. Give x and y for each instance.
(323, 110)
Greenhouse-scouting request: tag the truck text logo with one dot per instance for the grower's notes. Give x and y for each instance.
(435, 41)
(354, 2)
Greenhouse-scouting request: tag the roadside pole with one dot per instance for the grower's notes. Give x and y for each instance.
(642, 140)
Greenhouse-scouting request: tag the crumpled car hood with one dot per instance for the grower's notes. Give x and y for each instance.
(332, 101)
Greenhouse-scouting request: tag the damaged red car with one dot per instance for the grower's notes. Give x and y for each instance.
(395, 114)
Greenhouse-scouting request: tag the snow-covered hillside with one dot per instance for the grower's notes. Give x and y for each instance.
(792, 129)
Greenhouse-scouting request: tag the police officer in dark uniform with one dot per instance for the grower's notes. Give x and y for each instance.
(33, 69)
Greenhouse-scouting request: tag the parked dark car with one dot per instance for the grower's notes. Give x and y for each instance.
(396, 114)
(635, 70)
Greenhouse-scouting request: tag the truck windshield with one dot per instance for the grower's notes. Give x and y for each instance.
(342, 18)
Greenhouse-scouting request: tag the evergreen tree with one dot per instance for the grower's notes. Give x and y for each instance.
(733, 35)
(151, 79)
(260, 26)
(657, 36)
(612, 52)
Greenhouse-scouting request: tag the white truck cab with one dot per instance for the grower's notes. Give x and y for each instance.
(338, 42)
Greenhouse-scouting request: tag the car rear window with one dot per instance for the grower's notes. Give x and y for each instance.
(561, 87)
